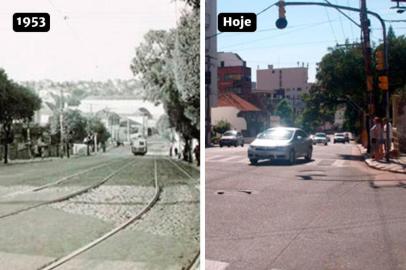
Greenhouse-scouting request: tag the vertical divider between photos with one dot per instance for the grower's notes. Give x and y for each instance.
(202, 134)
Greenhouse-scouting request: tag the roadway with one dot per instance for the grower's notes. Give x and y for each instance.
(50, 210)
(323, 214)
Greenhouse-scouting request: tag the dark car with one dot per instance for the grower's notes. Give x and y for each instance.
(231, 137)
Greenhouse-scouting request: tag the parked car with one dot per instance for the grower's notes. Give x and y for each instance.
(138, 144)
(339, 137)
(320, 137)
(281, 143)
(231, 137)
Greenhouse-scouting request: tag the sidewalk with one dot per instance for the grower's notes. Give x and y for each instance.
(394, 165)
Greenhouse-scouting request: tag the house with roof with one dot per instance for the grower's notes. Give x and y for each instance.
(235, 102)
(241, 114)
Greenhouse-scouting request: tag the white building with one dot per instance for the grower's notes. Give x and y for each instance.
(135, 114)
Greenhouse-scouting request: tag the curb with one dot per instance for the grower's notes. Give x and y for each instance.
(368, 162)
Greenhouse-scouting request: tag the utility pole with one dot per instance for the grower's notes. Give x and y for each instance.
(366, 50)
(61, 124)
(208, 109)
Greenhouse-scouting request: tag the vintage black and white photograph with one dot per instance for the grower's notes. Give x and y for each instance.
(100, 134)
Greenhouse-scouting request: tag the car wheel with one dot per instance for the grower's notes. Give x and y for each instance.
(221, 145)
(236, 144)
(292, 157)
(325, 143)
(242, 144)
(254, 161)
(308, 155)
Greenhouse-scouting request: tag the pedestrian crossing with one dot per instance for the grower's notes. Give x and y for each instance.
(237, 159)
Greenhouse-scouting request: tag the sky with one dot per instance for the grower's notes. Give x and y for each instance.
(310, 32)
(88, 39)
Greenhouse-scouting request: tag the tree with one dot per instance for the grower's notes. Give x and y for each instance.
(222, 126)
(17, 103)
(164, 128)
(157, 61)
(340, 76)
(95, 125)
(187, 64)
(285, 111)
(316, 113)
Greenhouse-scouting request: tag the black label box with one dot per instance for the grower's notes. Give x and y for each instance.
(237, 22)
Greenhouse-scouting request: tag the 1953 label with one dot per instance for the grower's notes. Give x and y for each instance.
(31, 22)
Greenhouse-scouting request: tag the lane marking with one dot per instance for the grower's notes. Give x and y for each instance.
(216, 265)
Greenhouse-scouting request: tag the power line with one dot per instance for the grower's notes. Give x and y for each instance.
(288, 45)
(298, 28)
(331, 25)
(259, 13)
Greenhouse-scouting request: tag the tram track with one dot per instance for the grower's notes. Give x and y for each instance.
(62, 260)
(55, 183)
(193, 263)
(69, 195)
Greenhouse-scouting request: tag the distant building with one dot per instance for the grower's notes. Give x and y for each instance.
(136, 115)
(43, 115)
(233, 74)
(283, 83)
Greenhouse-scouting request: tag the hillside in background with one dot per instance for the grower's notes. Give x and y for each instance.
(75, 91)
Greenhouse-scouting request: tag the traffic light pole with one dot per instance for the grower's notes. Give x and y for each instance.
(363, 14)
(367, 52)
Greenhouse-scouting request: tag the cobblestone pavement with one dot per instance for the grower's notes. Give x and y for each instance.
(171, 227)
(113, 204)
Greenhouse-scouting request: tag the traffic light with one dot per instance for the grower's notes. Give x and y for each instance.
(383, 83)
(281, 22)
(380, 60)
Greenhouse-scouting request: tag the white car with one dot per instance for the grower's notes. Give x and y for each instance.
(320, 137)
(281, 143)
(138, 144)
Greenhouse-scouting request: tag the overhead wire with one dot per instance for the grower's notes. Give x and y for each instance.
(331, 25)
(298, 28)
(257, 14)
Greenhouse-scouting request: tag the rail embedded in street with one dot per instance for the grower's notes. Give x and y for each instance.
(58, 262)
(68, 196)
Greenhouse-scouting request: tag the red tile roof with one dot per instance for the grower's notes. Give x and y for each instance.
(229, 99)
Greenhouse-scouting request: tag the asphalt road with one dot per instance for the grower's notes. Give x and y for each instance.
(165, 237)
(322, 214)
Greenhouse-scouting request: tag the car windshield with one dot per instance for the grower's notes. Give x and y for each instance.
(339, 135)
(276, 134)
(230, 133)
(320, 135)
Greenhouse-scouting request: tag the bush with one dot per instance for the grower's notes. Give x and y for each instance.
(222, 126)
